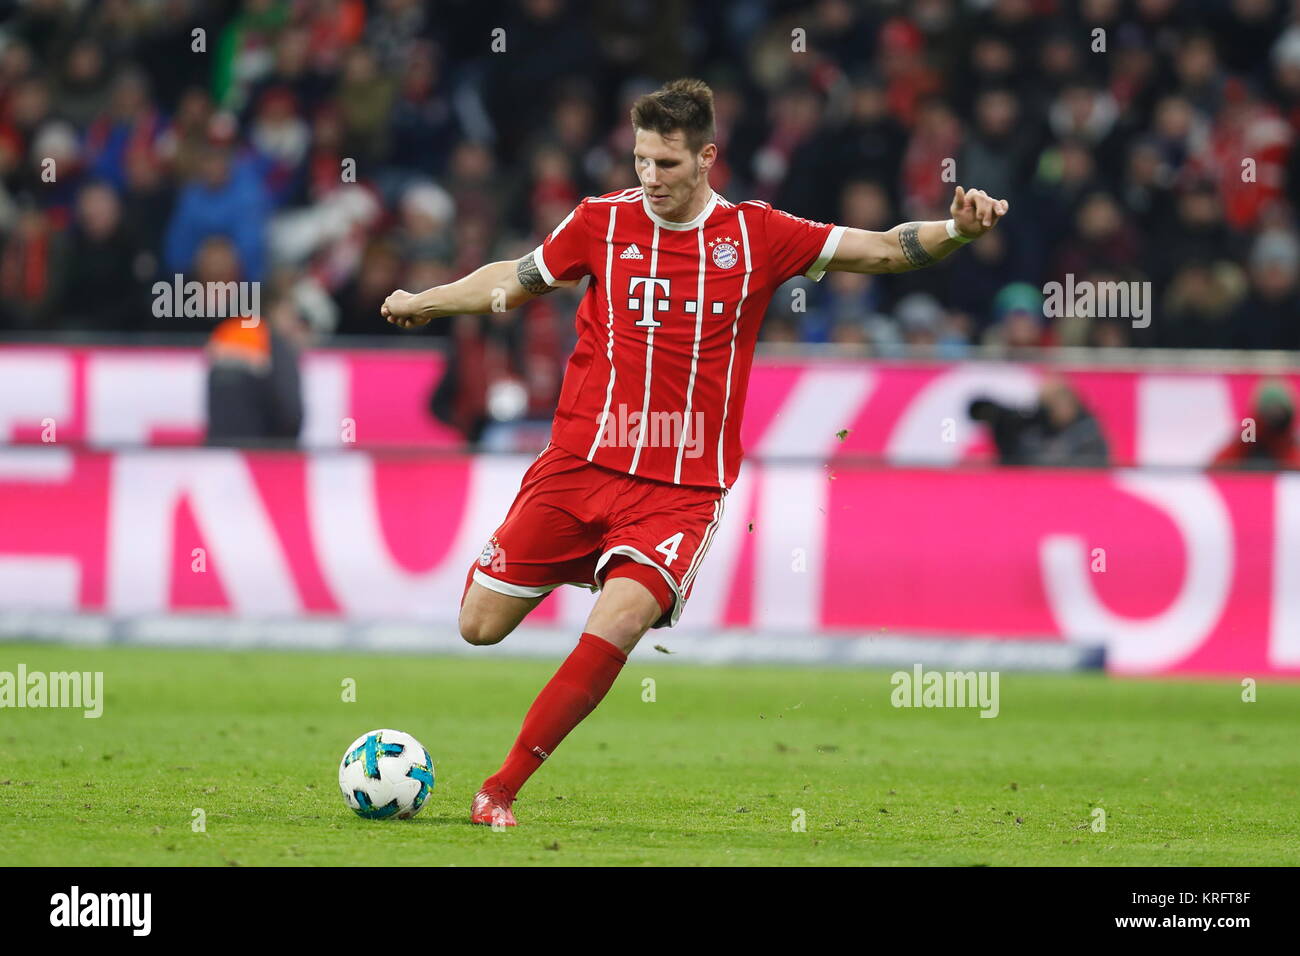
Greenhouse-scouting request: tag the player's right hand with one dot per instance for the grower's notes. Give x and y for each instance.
(400, 310)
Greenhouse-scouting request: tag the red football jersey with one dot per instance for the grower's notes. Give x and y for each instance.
(656, 384)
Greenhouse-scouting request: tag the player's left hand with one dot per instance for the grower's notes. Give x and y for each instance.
(975, 212)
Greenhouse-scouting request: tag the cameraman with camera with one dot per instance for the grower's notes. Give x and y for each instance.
(1058, 431)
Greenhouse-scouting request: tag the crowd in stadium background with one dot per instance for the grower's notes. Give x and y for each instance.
(1120, 164)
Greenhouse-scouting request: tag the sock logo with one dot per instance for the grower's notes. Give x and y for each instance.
(542, 754)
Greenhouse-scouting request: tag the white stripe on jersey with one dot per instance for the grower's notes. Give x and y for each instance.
(699, 551)
(627, 195)
(609, 347)
(539, 258)
(719, 507)
(695, 352)
(744, 291)
(818, 268)
(563, 222)
(649, 355)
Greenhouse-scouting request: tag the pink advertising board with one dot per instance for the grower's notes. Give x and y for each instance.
(897, 412)
(1173, 571)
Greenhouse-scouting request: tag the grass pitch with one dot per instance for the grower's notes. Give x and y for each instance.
(714, 771)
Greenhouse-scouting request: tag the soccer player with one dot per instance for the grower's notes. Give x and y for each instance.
(645, 443)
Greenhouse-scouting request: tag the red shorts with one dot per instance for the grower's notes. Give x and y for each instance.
(571, 518)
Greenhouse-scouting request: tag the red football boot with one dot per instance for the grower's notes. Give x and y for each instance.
(492, 806)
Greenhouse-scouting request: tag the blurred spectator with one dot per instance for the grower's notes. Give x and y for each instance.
(848, 299)
(396, 33)
(423, 127)
(1199, 77)
(1017, 318)
(131, 125)
(783, 169)
(147, 202)
(101, 289)
(483, 381)
(909, 79)
(920, 317)
(1148, 187)
(1196, 231)
(227, 199)
(1066, 172)
(1247, 153)
(309, 133)
(427, 212)
(870, 145)
(1058, 431)
(185, 142)
(934, 145)
(243, 52)
(974, 280)
(29, 285)
(359, 300)
(293, 72)
(1268, 438)
(280, 139)
(997, 157)
(1199, 306)
(254, 386)
(1269, 317)
(365, 99)
(82, 90)
(1087, 115)
(1103, 239)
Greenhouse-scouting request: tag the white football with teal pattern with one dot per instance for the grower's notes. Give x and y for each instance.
(386, 774)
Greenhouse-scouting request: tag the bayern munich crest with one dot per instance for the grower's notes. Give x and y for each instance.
(724, 252)
(489, 551)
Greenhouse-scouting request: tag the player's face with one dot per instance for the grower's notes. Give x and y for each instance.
(674, 177)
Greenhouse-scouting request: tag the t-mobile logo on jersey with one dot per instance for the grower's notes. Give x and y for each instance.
(623, 429)
(644, 297)
(648, 302)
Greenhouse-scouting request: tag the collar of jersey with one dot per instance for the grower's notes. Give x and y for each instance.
(668, 224)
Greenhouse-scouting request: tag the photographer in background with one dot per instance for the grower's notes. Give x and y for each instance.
(254, 385)
(1057, 431)
(1271, 442)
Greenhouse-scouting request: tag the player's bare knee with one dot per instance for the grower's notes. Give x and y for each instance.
(625, 627)
(479, 630)
(480, 636)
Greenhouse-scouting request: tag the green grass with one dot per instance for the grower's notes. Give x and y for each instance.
(709, 773)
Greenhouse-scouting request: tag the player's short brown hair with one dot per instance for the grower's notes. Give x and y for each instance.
(684, 106)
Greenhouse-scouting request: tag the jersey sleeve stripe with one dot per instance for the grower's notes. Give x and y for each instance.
(818, 268)
(539, 254)
(539, 257)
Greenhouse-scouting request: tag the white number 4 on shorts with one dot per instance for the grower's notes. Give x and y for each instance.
(668, 547)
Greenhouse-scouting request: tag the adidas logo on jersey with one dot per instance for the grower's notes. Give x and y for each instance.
(632, 252)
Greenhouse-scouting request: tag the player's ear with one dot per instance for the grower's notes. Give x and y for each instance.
(708, 156)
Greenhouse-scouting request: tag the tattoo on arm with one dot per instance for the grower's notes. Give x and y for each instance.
(909, 240)
(530, 277)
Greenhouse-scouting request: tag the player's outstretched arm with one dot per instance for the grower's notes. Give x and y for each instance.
(915, 245)
(495, 287)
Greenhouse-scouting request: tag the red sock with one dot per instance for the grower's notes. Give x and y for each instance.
(577, 687)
